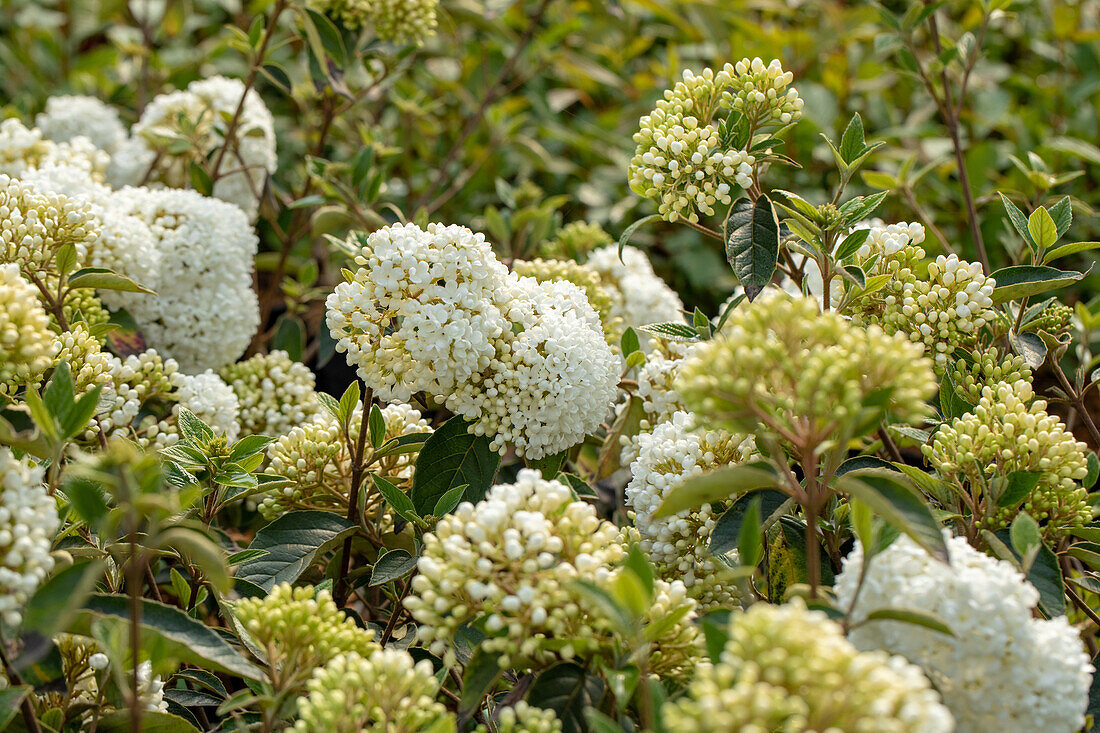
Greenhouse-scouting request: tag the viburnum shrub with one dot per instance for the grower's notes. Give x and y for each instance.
(521, 367)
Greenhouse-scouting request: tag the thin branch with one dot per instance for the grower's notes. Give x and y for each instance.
(340, 587)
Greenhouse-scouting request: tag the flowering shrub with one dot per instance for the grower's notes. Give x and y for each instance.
(424, 366)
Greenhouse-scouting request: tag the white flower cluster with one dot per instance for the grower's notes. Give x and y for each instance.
(28, 523)
(434, 311)
(70, 116)
(151, 689)
(275, 393)
(1003, 669)
(35, 224)
(1007, 431)
(551, 383)
(385, 692)
(90, 365)
(943, 311)
(638, 296)
(139, 382)
(678, 545)
(510, 562)
(198, 115)
(786, 668)
(761, 93)
(524, 718)
(27, 344)
(24, 149)
(680, 160)
(213, 401)
(205, 311)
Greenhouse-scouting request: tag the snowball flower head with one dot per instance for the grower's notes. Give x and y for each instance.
(784, 362)
(1007, 431)
(275, 393)
(206, 249)
(791, 669)
(68, 116)
(1002, 670)
(28, 524)
(385, 691)
(638, 296)
(213, 401)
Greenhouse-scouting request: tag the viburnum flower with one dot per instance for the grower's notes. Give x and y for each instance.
(584, 277)
(142, 396)
(68, 116)
(90, 365)
(761, 93)
(27, 345)
(212, 401)
(23, 150)
(28, 524)
(275, 393)
(524, 718)
(384, 691)
(35, 224)
(974, 371)
(206, 249)
(678, 545)
(197, 115)
(638, 296)
(510, 563)
(783, 366)
(300, 629)
(1009, 430)
(315, 458)
(1002, 669)
(791, 669)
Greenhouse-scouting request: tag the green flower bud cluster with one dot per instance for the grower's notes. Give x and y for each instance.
(583, 277)
(300, 629)
(315, 458)
(524, 718)
(274, 392)
(402, 21)
(82, 305)
(144, 390)
(575, 240)
(782, 365)
(90, 365)
(985, 368)
(761, 93)
(27, 345)
(1009, 430)
(34, 225)
(383, 691)
(679, 160)
(785, 668)
(1056, 319)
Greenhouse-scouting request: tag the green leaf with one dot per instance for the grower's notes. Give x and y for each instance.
(1018, 486)
(449, 501)
(886, 493)
(183, 637)
(909, 616)
(629, 231)
(329, 37)
(100, 278)
(248, 446)
(726, 534)
(851, 142)
(59, 392)
(1030, 346)
(1024, 533)
(57, 600)
(348, 402)
(151, 722)
(377, 426)
(192, 428)
(1062, 214)
(396, 498)
(391, 565)
(731, 305)
(1069, 249)
(1019, 222)
(752, 243)
(450, 457)
(290, 336)
(629, 342)
(292, 543)
(951, 404)
(672, 331)
(1093, 471)
(1042, 228)
(720, 484)
(10, 700)
(857, 209)
(481, 673)
(1021, 281)
(568, 690)
(851, 243)
(750, 545)
(201, 180)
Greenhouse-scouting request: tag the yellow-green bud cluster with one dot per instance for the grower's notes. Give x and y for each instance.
(1056, 319)
(90, 365)
(27, 345)
(384, 691)
(402, 21)
(782, 363)
(300, 629)
(143, 391)
(761, 93)
(575, 240)
(315, 458)
(524, 718)
(1009, 430)
(785, 668)
(583, 277)
(275, 393)
(679, 160)
(35, 224)
(986, 368)
(82, 305)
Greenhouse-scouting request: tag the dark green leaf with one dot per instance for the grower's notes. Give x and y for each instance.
(910, 616)
(629, 231)
(1019, 222)
(752, 243)
(888, 494)
(1019, 485)
(629, 342)
(568, 690)
(151, 722)
(101, 278)
(851, 142)
(392, 565)
(1020, 281)
(481, 672)
(720, 484)
(1062, 214)
(290, 336)
(377, 425)
(292, 542)
(450, 457)
(57, 600)
(727, 530)
(396, 498)
(10, 700)
(449, 501)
